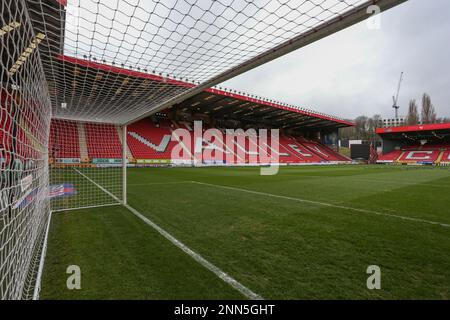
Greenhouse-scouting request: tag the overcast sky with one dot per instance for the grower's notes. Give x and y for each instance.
(356, 71)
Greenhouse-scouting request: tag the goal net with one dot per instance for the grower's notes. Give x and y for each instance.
(85, 164)
(74, 73)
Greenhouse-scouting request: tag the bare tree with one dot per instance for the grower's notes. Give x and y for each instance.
(428, 111)
(364, 129)
(361, 127)
(347, 133)
(377, 121)
(413, 114)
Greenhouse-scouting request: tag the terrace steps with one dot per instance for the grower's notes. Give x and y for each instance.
(399, 157)
(129, 154)
(82, 142)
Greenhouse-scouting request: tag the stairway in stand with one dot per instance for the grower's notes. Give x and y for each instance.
(129, 154)
(401, 155)
(82, 142)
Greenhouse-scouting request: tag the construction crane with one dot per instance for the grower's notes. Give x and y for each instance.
(395, 98)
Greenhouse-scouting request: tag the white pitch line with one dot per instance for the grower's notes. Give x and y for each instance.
(405, 183)
(325, 204)
(157, 183)
(194, 255)
(97, 185)
(205, 263)
(37, 288)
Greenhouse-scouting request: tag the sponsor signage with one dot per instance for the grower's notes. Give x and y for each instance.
(106, 161)
(27, 198)
(213, 162)
(153, 161)
(425, 162)
(26, 182)
(68, 160)
(182, 162)
(62, 190)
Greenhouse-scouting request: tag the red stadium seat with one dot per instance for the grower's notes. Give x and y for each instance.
(95, 140)
(418, 154)
(390, 157)
(147, 141)
(64, 142)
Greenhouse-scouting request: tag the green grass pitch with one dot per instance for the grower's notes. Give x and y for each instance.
(305, 233)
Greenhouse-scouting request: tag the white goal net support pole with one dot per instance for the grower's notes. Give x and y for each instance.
(124, 165)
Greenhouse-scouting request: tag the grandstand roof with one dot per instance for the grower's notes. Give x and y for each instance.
(235, 105)
(415, 131)
(171, 52)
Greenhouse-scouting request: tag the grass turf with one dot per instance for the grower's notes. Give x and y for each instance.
(267, 238)
(120, 257)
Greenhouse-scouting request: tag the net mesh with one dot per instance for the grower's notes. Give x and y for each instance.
(94, 49)
(85, 164)
(25, 117)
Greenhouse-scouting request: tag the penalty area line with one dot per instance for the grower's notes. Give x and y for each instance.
(325, 204)
(194, 255)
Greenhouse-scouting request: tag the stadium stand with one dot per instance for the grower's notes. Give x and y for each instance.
(148, 140)
(288, 154)
(5, 129)
(18, 137)
(97, 148)
(64, 141)
(321, 151)
(445, 158)
(417, 154)
(390, 157)
(70, 134)
(332, 153)
(302, 151)
(421, 144)
(413, 154)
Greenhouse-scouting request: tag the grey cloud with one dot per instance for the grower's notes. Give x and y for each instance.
(356, 71)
